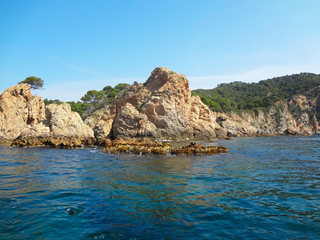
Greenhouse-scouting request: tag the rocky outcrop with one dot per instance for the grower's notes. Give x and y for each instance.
(25, 121)
(19, 109)
(146, 146)
(278, 120)
(164, 108)
(161, 108)
(60, 128)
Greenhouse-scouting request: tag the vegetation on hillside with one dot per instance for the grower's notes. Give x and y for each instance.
(93, 99)
(239, 96)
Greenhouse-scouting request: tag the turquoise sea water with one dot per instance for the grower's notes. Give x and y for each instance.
(264, 188)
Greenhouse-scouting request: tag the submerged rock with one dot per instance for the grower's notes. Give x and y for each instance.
(146, 146)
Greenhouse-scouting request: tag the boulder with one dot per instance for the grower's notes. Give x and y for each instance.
(60, 128)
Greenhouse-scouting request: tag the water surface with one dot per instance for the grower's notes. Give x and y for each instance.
(264, 188)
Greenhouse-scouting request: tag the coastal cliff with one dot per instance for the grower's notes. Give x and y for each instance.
(19, 109)
(25, 121)
(161, 108)
(164, 108)
(276, 120)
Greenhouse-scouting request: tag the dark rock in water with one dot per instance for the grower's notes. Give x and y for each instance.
(74, 210)
(198, 149)
(147, 146)
(137, 147)
(53, 141)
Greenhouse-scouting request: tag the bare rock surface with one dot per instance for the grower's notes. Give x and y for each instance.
(164, 108)
(19, 109)
(161, 108)
(25, 121)
(60, 128)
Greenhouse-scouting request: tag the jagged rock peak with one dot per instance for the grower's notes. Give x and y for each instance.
(18, 108)
(162, 107)
(162, 76)
(21, 90)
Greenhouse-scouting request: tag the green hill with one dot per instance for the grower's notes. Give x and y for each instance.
(239, 96)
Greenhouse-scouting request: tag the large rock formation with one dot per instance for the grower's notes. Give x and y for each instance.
(162, 107)
(25, 121)
(19, 109)
(277, 120)
(60, 128)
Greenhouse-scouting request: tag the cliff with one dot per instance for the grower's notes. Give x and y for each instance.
(25, 121)
(19, 109)
(163, 107)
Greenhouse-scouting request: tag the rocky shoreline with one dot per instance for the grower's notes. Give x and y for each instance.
(161, 108)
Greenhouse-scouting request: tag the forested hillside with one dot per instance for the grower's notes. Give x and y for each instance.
(93, 99)
(238, 96)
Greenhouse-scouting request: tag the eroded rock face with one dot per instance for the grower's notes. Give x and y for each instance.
(161, 108)
(19, 109)
(25, 121)
(60, 128)
(277, 120)
(65, 123)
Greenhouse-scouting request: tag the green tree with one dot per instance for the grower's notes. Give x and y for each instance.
(122, 86)
(34, 82)
(93, 96)
(56, 101)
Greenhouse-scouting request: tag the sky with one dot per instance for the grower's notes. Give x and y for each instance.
(80, 45)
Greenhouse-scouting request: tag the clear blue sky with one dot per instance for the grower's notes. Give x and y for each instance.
(77, 46)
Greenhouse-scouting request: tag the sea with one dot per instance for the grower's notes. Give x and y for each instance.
(264, 188)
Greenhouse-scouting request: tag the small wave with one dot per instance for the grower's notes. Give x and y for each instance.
(67, 195)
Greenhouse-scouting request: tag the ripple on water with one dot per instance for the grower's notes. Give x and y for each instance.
(265, 188)
(74, 210)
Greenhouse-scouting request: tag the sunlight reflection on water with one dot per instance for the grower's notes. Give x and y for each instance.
(263, 188)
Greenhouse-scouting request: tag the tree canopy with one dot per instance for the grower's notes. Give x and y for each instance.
(239, 96)
(34, 82)
(93, 99)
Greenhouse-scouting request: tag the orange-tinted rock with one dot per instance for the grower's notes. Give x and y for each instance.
(62, 128)
(161, 108)
(18, 109)
(147, 146)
